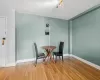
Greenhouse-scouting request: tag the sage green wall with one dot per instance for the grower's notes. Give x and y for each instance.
(86, 36)
(31, 28)
(59, 32)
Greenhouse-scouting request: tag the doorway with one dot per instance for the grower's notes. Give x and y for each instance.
(3, 46)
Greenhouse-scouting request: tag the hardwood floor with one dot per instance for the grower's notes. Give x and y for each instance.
(70, 69)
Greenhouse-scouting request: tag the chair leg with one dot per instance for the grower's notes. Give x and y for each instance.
(59, 57)
(43, 59)
(62, 57)
(53, 56)
(56, 59)
(36, 62)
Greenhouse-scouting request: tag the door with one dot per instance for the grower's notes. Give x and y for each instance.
(2, 41)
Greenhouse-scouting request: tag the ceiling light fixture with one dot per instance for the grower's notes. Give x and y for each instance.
(60, 3)
(46, 4)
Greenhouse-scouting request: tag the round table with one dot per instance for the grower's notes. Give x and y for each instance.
(49, 49)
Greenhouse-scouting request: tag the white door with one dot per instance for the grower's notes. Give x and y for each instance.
(2, 42)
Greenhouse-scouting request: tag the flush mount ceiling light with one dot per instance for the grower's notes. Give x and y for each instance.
(60, 3)
(46, 3)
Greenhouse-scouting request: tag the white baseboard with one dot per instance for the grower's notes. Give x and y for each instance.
(65, 55)
(87, 62)
(33, 59)
(25, 60)
(40, 60)
(10, 64)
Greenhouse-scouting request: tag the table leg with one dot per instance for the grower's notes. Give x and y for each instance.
(51, 58)
(49, 55)
(46, 56)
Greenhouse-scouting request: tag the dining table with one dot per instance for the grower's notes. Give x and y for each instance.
(49, 50)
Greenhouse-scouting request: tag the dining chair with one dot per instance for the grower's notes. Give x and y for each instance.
(60, 52)
(38, 55)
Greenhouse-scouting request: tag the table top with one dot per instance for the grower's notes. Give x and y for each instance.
(48, 47)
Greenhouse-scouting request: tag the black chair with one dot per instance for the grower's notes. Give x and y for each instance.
(60, 52)
(38, 55)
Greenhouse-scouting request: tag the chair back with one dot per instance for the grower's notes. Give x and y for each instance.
(36, 50)
(61, 46)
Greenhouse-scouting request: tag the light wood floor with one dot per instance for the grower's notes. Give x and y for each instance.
(70, 69)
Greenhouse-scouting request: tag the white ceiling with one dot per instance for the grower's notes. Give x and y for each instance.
(69, 8)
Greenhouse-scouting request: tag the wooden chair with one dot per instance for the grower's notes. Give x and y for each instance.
(38, 55)
(60, 52)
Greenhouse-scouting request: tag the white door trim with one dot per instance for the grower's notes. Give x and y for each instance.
(5, 46)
